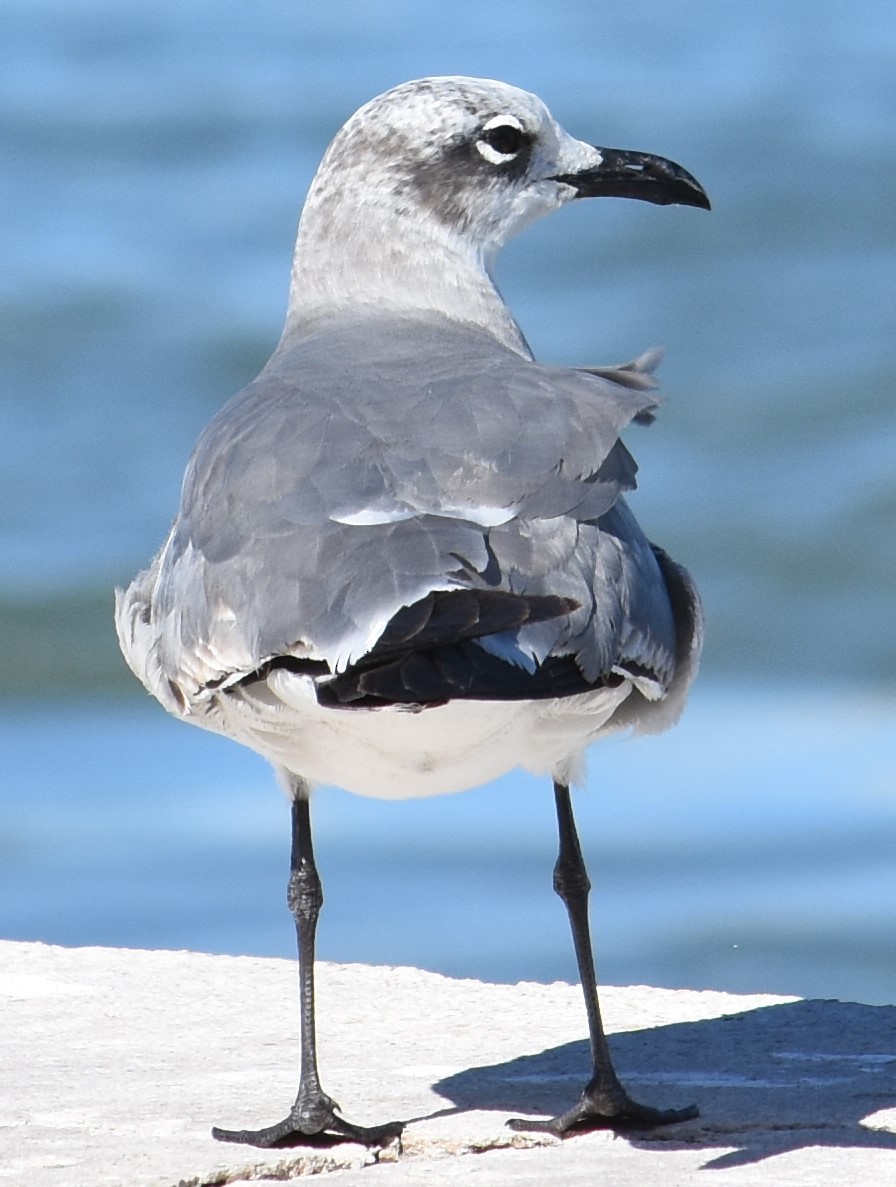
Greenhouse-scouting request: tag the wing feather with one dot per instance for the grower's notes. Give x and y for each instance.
(373, 469)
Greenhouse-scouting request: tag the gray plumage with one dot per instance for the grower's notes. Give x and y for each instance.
(402, 441)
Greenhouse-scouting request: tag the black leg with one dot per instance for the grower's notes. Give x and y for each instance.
(604, 1104)
(313, 1119)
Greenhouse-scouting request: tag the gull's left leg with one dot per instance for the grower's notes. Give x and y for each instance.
(604, 1104)
(314, 1118)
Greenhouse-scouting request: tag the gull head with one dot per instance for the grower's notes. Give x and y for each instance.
(425, 183)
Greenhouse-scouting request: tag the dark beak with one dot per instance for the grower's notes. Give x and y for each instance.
(624, 174)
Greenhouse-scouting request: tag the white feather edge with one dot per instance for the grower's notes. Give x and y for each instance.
(486, 517)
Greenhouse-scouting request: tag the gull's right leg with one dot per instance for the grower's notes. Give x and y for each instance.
(314, 1118)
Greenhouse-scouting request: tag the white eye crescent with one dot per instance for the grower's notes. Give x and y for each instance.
(501, 139)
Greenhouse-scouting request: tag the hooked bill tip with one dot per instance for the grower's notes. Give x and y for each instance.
(626, 174)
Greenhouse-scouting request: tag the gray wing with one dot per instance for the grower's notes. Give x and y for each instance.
(377, 464)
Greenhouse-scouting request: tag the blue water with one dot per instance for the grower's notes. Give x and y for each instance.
(155, 158)
(750, 849)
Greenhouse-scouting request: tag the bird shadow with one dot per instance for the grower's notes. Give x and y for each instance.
(767, 1081)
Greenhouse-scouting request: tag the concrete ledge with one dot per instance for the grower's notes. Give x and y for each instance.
(116, 1063)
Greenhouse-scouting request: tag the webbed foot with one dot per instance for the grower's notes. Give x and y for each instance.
(603, 1109)
(317, 1125)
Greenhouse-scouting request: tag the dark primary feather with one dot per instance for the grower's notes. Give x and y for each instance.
(428, 655)
(452, 616)
(451, 672)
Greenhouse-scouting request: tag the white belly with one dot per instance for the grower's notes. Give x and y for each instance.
(399, 753)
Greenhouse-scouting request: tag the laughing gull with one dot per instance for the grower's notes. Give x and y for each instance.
(403, 563)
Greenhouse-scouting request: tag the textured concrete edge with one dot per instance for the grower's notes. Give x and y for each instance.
(122, 1060)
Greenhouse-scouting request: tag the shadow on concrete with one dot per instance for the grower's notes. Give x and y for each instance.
(766, 1081)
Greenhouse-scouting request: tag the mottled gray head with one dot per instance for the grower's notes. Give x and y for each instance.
(439, 173)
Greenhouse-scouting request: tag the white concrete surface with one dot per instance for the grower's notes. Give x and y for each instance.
(114, 1064)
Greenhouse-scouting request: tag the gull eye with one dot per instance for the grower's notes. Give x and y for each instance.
(502, 139)
(505, 139)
